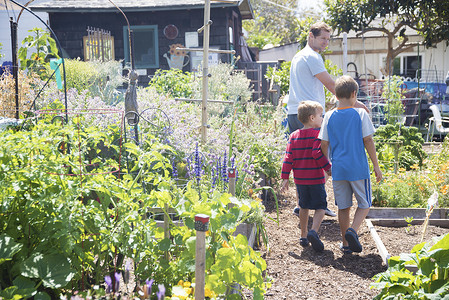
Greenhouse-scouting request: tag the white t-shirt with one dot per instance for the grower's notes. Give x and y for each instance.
(303, 83)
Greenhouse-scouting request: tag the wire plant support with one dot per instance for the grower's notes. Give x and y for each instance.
(14, 54)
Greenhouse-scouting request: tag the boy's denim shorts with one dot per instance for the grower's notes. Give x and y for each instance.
(312, 196)
(344, 189)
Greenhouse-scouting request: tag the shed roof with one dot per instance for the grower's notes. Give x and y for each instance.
(137, 5)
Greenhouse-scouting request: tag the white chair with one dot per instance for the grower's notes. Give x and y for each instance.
(436, 123)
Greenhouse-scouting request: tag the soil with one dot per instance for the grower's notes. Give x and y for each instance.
(301, 273)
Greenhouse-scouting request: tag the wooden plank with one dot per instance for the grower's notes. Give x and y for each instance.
(402, 223)
(379, 244)
(397, 213)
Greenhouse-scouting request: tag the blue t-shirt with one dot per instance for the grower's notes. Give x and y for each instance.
(344, 129)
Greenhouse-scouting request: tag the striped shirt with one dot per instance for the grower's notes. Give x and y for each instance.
(303, 155)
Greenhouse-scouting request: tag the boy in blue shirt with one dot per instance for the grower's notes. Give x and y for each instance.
(345, 134)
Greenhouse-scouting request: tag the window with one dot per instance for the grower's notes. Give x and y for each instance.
(98, 45)
(407, 66)
(146, 51)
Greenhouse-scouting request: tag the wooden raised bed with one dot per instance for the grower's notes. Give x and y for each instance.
(395, 217)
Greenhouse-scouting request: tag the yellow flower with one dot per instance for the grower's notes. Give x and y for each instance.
(444, 189)
(401, 170)
(188, 290)
(181, 283)
(186, 284)
(225, 244)
(414, 167)
(209, 293)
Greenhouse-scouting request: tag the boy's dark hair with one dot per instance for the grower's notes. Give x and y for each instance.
(345, 86)
(306, 109)
(317, 27)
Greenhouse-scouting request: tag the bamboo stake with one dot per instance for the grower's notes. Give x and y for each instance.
(201, 226)
(205, 71)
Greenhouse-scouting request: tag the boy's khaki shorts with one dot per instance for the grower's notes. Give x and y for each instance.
(344, 189)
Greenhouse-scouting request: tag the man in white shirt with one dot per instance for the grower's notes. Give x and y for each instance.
(307, 77)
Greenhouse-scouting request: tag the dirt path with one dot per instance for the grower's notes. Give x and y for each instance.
(301, 273)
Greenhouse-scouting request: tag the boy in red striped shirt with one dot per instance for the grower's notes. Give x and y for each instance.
(303, 155)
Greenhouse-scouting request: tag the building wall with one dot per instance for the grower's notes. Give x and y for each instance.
(71, 27)
(26, 22)
(372, 51)
(369, 53)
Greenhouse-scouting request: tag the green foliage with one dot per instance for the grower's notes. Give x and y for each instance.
(335, 72)
(68, 218)
(276, 24)
(260, 38)
(1, 54)
(174, 83)
(407, 142)
(280, 76)
(45, 47)
(99, 79)
(431, 281)
(391, 92)
(225, 83)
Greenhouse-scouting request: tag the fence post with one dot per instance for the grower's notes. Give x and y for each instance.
(201, 226)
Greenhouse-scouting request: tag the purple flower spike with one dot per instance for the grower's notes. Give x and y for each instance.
(161, 293)
(149, 286)
(108, 281)
(117, 281)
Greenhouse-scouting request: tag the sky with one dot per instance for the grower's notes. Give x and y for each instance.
(303, 4)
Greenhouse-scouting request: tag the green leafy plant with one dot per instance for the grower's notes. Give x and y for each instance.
(431, 280)
(280, 76)
(409, 221)
(173, 82)
(391, 92)
(45, 47)
(407, 142)
(1, 54)
(99, 79)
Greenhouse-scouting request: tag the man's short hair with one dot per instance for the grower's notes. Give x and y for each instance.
(317, 27)
(306, 109)
(345, 86)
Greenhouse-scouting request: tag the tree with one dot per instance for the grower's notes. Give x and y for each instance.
(429, 18)
(276, 22)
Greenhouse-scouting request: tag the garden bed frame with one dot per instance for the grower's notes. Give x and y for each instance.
(395, 217)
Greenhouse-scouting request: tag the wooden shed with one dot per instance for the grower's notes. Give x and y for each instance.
(157, 26)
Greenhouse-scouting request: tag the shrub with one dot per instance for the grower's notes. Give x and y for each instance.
(172, 83)
(406, 141)
(100, 79)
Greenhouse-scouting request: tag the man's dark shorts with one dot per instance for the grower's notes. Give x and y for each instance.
(293, 123)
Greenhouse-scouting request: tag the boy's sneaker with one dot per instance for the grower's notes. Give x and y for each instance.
(345, 249)
(296, 211)
(304, 242)
(314, 239)
(329, 212)
(353, 240)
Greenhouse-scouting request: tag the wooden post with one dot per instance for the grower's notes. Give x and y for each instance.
(166, 226)
(231, 176)
(231, 187)
(201, 226)
(205, 71)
